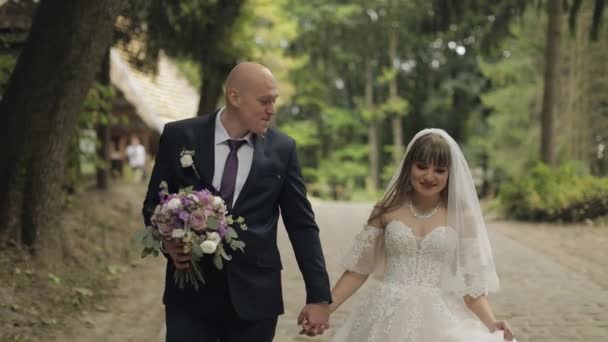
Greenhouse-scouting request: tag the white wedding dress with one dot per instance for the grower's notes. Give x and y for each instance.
(409, 305)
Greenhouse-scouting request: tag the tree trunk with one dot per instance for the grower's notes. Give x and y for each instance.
(398, 148)
(213, 74)
(103, 131)
(550, 80)
(374, 139)
(57, 66)
(215, 66)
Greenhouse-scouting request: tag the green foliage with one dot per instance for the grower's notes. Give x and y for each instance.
(191, 70)
(304, 132)
(567, 193)
(336, 176)
(503, 133)
(7, 63)
(337, 44)
(82, 155)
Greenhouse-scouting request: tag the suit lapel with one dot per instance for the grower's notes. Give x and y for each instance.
(205, 154)
(259, 158)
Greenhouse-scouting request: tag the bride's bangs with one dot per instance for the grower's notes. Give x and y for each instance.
(432, 150)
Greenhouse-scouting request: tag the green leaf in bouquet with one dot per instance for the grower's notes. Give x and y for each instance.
(146, 251)
(236, 244)
(230, 232)
(151, 242)
(217, 260)
(240, 220)
(197, 251)
(213, 223)
(164, 188)
(223, 252)
(187, 190)
(141, 234)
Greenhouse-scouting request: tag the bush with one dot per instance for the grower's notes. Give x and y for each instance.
(566, 193)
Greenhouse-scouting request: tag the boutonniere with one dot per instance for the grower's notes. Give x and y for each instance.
(186, 158)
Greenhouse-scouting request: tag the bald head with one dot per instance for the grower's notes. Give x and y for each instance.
(248, 75)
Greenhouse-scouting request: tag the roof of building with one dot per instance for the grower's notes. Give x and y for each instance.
(158, 98)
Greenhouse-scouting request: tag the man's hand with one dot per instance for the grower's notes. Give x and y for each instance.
(314, 319)
(175, 249)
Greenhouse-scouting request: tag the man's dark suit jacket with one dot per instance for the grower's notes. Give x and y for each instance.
(251, 279)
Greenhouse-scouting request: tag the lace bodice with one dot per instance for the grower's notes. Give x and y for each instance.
(413, 261)
(397, 256)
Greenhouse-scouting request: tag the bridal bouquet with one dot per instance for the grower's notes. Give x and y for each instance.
(197, 218)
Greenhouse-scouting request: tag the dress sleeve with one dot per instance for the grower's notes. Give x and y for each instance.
(478, 278)
(367, 253)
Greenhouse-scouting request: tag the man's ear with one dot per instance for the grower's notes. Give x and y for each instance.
(233, 97)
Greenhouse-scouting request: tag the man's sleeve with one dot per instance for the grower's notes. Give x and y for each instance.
(304, 233)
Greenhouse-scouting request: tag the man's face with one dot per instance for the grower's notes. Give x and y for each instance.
(257, 104)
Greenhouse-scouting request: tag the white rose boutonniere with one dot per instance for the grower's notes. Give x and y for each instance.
(186, 158)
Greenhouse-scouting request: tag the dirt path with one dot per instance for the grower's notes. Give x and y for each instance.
(134, 314)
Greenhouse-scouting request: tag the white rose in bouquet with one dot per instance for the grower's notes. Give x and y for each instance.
(174, 204)
(218, 202)
(209, 246)
(178, 233)
(213, 236)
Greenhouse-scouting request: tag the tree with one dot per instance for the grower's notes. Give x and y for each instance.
(103, 131)
(204, 31)
(57, 66)
(552, 50)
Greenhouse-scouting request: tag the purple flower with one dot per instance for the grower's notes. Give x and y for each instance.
(176, 223)
(222, 231)
(184, 216)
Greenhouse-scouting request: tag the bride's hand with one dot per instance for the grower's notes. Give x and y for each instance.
(505, 327)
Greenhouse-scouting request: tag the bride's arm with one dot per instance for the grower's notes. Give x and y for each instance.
(481, 308)
(346, 286)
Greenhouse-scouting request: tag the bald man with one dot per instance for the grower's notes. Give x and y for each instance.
(255, 169)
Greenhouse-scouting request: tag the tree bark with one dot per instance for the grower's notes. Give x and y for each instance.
(550, 80)
(398, 148)
(57, 66)
(216, 65)
(103, 131)
(373, 133)
(213, 74)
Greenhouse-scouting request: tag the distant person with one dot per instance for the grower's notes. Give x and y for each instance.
(116, 161)
(136, 155)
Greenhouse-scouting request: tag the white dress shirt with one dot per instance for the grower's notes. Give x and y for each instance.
(244, 154)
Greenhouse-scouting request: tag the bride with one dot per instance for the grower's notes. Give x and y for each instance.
(427, 243)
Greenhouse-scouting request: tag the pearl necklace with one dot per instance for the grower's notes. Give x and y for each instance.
(422, 216)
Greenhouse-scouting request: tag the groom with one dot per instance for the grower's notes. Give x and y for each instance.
(255, 170)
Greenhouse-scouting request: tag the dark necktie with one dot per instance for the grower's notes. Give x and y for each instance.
(231, 168)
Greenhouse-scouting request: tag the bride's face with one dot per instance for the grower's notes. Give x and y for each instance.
(428, 180)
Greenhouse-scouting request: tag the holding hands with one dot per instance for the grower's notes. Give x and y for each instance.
(314, 319)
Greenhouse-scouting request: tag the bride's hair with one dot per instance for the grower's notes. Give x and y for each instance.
(430, 149)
